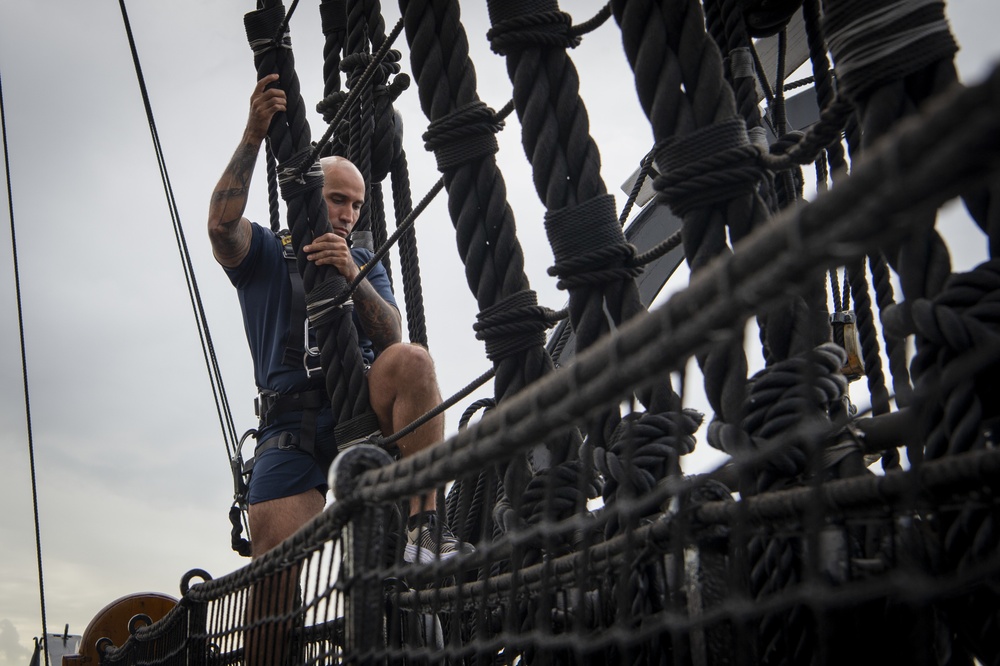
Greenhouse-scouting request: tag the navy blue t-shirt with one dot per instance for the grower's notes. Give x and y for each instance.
(265, 292)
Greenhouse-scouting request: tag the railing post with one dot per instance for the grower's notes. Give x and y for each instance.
(364, 538)
(197, 620)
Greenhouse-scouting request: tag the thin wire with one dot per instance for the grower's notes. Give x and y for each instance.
(208, 348)
(24, 376)
(462, 393)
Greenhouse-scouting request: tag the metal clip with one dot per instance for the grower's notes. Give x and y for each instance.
(854, 367)
(310, 351)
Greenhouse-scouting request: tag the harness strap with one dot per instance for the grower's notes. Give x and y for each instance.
(356, 429)
(294, 347)
(270, 405)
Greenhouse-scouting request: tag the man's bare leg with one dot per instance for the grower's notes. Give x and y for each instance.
(402, 387)
(272, 522)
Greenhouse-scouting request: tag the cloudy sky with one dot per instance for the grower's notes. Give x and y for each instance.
(133, 479)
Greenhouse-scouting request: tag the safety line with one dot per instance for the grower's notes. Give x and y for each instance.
(24, 375)
(208, 348)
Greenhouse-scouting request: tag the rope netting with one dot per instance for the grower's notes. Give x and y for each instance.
(817, 542)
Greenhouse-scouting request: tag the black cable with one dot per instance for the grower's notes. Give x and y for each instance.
(24, 376)
(462, 393)
(208, 348)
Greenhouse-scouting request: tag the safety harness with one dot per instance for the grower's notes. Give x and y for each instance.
(269, 405)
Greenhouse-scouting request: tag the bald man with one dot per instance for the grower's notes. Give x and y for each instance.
(288, 485)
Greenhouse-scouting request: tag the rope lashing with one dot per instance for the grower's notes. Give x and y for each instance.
(262, 29)
(550, 28)
(354, 430)
(513, 324)
(707, 166)
(324, 299)
(875, 42)
(295, 177)
(741, 63)
(265, 44)
(333, 16)
(464, 135)
(588, 244)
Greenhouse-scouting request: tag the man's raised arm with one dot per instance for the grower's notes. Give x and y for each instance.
(228, 230)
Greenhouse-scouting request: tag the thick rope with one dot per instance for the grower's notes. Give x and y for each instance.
(416, 320)
(650, 35)
(289, 136)
(477, 196)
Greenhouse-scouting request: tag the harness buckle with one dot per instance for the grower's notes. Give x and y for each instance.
(263, 403)
(287, 441)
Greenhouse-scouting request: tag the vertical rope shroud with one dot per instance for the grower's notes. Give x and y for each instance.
(461, 136)
(289, 137)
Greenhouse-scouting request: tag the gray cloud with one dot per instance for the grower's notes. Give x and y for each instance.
(12, 653)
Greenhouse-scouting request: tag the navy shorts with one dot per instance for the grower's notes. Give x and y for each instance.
(282, 473)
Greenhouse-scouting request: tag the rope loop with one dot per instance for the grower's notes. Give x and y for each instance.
(644, 447)
(512, 325)
(874, 42)
(713, 164)
(356, 63)
(295, 178)
(466, 134)
(791, 402)
(551, 28)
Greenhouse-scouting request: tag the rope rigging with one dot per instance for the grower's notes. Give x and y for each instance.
(592, 545)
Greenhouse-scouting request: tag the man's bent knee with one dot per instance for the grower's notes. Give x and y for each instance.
(401, 367)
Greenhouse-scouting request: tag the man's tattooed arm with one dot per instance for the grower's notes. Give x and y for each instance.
(229, 233)
(380, 319)
(228, 230)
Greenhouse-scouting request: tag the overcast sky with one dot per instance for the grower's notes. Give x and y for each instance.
(133, 480)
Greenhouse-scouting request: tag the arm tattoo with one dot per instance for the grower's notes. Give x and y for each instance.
(229, 201)
(378, 318)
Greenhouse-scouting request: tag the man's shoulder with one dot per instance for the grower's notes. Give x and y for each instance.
(264, 250)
